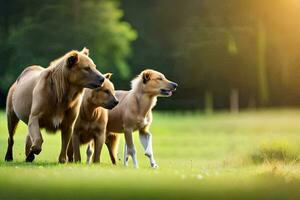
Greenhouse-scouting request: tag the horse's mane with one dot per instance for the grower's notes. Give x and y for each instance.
(58, 78)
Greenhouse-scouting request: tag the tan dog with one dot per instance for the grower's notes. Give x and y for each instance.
(92, 119)
(134, 112)
(50, 98)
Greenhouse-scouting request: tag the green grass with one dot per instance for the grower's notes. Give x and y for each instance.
(274, 151)
(252, 155)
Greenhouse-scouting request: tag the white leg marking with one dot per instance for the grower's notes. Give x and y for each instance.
(89, 154)
(130, 152)
(130, 149)
(125, 155)
(146, 140)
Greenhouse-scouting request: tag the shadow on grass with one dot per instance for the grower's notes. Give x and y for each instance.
(25, 164)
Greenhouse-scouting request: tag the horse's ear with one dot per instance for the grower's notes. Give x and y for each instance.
(146, 76)
(85, 51)
(108, 75)
(72, 59)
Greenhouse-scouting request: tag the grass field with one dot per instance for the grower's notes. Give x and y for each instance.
(251, 155)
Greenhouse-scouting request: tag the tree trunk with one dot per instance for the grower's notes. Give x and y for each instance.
(263, 88)
(209, 104)
(234, 101)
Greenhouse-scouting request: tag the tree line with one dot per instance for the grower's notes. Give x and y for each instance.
(221, 49)
(222, 53)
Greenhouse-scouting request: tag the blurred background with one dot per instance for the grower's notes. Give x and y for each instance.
(227, 55)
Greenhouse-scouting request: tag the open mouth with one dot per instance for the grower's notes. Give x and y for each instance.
(166, 92)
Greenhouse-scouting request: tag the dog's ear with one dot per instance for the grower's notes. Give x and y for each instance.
(146, 77)
(72, 59)
(85, 51)
(108, 75)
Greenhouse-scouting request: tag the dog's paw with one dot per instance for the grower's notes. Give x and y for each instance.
(35, 150)
(125, 162)
(62, 160)
(30, 157)
(8, 158)
(154, 165)
(135, 166)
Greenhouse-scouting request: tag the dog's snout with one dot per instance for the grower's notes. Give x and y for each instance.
(116, 102)
(101, 79)
(98, 77)
(174, 85)
(112, 104)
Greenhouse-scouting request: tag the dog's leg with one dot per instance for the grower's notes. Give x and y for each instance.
(12, 122)
(36, 137)
(146, 140)
(76, 147)
(67, 128)
(89, 152)
(65, 140)
(99, 141)
(126, 157)
(28, 145)
(130, 149)
(112, 143)
(70, 151)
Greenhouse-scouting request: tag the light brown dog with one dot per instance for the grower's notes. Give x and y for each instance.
(92, 119)
(50, 98)
(134, 112)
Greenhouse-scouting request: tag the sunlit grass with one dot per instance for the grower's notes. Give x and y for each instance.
(274, 151)
(200, 157)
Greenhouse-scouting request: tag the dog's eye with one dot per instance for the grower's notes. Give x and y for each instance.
(106, 91)
(86, 69)
(160, 79)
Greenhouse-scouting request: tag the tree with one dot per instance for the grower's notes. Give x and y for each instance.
(59, 26)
